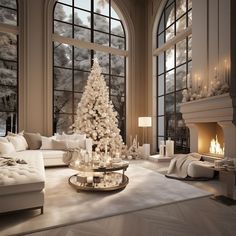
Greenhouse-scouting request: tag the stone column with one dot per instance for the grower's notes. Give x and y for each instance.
(193, 129)
(229, 130)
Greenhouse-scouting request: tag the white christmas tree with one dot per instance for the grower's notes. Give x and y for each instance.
(95, 114)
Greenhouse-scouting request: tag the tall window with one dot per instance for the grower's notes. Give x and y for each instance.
(174, 66)
(8, 66)
(84, 29)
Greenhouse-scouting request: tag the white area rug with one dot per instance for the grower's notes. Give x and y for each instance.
(63, 205)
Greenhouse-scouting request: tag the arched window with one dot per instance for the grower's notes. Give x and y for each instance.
(8, 66)
(84, 30)
(174, 66)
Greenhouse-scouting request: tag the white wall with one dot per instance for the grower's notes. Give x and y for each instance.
(211, 37)
(31, 66)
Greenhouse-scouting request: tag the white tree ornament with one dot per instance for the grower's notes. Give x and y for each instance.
(96, 116)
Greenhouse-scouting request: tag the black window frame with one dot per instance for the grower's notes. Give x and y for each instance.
(122, 120)
(182, 141)
(12, 121)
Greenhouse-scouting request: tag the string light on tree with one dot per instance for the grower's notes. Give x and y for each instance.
(96, 116)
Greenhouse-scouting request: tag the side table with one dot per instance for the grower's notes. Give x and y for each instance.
(228, 177)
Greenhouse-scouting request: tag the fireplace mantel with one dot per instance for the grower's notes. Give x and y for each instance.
(212, 109)
(199, 115)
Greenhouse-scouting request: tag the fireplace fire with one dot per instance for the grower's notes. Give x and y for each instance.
(215, 147)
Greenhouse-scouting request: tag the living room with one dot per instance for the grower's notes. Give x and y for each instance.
(91, 91)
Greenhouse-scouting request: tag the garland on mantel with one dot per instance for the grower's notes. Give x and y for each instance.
(199, 88)
(215, 89)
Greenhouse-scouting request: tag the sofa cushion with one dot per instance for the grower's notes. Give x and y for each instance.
(34, 140)
(18, 141)
(76, 144)
(46, 143)
(59, 145)
(52, 154)
(53, 157)
(6, 148)
(15, 134)
(23, 177)
(74, 137)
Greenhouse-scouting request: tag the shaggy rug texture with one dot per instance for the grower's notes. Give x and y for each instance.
(64, 205)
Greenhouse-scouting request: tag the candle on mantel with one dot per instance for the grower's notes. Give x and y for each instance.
(199, 82)
(189, 82)
(226, 71)
(205, 91)
(195, 85)
(215, 72)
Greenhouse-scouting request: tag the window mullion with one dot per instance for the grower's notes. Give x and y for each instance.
(10, 106)
(73, 64)
(92, 30)
(172, 96)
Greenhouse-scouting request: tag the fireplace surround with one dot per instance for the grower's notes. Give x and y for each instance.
(209, 117)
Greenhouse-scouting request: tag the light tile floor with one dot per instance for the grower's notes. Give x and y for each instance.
(194, 217)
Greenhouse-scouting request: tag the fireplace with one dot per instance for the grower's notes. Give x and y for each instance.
(212, 120)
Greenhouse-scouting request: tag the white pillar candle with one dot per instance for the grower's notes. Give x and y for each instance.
(162, 150)
(90, 179)
(146, 150)
(117, 155)
(86, 157)
(169, 147)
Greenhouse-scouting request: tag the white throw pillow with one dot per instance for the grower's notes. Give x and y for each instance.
(79, 137)
(46, 143)
(59, 137)
(6, 148)
(76, 144)
(4, 140)
(59, 145)
(13, 134)
(72, 137)
(18, 142)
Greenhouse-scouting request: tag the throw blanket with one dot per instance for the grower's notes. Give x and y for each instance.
(9, 161)
(179, 165)
(72, 155)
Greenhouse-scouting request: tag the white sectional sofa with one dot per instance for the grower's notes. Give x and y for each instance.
(22, 185)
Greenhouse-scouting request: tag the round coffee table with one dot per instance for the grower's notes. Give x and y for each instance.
(97, 178)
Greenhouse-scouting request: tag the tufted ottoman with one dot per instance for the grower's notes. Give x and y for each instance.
(198, 169)
(22, 185)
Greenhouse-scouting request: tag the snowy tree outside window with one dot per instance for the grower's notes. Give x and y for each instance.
(94, 22)
(174, 67)
(8, 68)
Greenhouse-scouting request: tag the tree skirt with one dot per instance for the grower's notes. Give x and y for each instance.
(63, 205)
